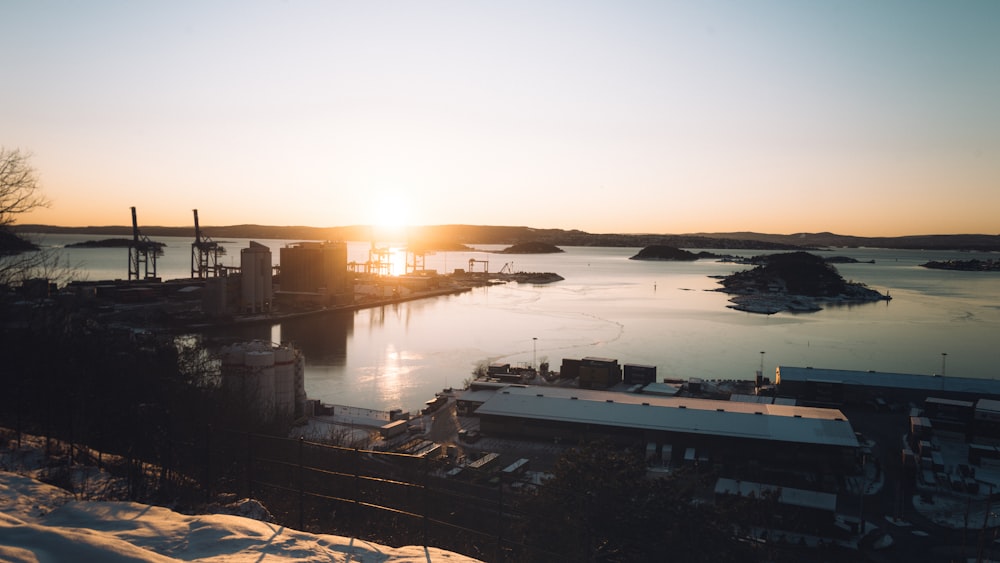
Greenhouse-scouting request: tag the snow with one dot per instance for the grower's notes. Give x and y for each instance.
(42, 523)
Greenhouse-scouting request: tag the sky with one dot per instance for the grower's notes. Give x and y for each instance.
(860, 117)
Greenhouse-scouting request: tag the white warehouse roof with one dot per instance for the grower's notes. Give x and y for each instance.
(893, 380)
(784, 423)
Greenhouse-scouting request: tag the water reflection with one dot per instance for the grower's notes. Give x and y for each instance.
(390, 374)
(322, 338)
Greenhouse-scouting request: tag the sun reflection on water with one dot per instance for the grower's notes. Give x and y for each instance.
(391, 373)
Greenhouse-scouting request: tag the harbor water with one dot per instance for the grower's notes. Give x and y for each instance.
(666, 314)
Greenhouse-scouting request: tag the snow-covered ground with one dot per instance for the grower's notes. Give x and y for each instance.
(43, 523)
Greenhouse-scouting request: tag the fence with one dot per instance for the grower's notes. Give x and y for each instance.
(389, 498)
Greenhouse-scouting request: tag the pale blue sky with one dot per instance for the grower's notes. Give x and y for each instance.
(859, 117)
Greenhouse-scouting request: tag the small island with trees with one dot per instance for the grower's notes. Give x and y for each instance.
(794, 281)
(663, 252)
(113, 243)
(531, 248)
(973, 265)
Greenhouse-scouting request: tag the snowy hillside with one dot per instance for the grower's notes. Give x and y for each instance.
(42, 523)
(45, 524)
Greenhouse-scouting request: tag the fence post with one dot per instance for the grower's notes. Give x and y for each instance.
(357, 490)
(426, 465)
(208, 464)
(301, 487)
(249, 469)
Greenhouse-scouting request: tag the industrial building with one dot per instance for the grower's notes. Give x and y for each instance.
(315, 272)
(703, 430)
(592, 373)
(247, 291)
(256, 286)
(836, 387)
(268, 378)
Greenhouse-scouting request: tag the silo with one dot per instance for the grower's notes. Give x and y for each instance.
(233, 371)
(265, 378)
(300, 384)
(284, 383)
(260, 381)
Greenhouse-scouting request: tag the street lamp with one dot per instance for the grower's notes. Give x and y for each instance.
(534, 352)
(762, 362)
(943, 356)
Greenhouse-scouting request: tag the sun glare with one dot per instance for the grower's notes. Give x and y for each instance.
(390, 218)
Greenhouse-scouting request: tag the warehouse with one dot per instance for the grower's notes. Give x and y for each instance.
(719, 432)
(838, 387)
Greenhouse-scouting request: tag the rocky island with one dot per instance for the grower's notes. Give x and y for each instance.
(670, 253)
(794, 281)
(974, 265)
(531, 248)
(113, 243)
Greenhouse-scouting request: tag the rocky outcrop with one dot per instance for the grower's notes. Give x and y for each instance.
(973, 265)
(795, 281)
(664, 252)
(531, 248)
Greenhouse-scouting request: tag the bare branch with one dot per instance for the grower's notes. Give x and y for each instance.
(19, 189)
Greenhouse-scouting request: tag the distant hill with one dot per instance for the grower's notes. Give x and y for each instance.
(443, 236)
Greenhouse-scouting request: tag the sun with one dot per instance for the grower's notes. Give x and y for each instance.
(391, 217)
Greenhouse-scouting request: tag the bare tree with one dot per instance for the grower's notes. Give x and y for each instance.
(20, 192)
(19, 189)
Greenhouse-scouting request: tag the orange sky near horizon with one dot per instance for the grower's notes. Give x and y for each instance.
(859, 118)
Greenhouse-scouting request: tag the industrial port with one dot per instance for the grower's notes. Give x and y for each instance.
(862, 461)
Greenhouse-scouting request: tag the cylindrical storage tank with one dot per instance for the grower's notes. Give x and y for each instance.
(300, 383)
(284, 383)
(232, 355)
(260, 382)
(259, 358)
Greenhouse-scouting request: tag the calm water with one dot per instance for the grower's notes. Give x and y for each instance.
(658, 313)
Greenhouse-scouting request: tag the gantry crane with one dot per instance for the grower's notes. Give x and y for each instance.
(205, 253)
(473, 262)
(141, 252)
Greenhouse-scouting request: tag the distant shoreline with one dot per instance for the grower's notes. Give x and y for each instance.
(507, 235)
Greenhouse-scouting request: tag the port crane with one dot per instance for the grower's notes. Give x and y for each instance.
(205, 253)
(415, 261)
(473, 262)
(141, 251)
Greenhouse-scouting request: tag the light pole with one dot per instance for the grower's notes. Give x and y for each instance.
(943, 356)
(534, 352)
(762, 362)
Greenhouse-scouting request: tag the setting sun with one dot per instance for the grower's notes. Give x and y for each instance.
(390, 218)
